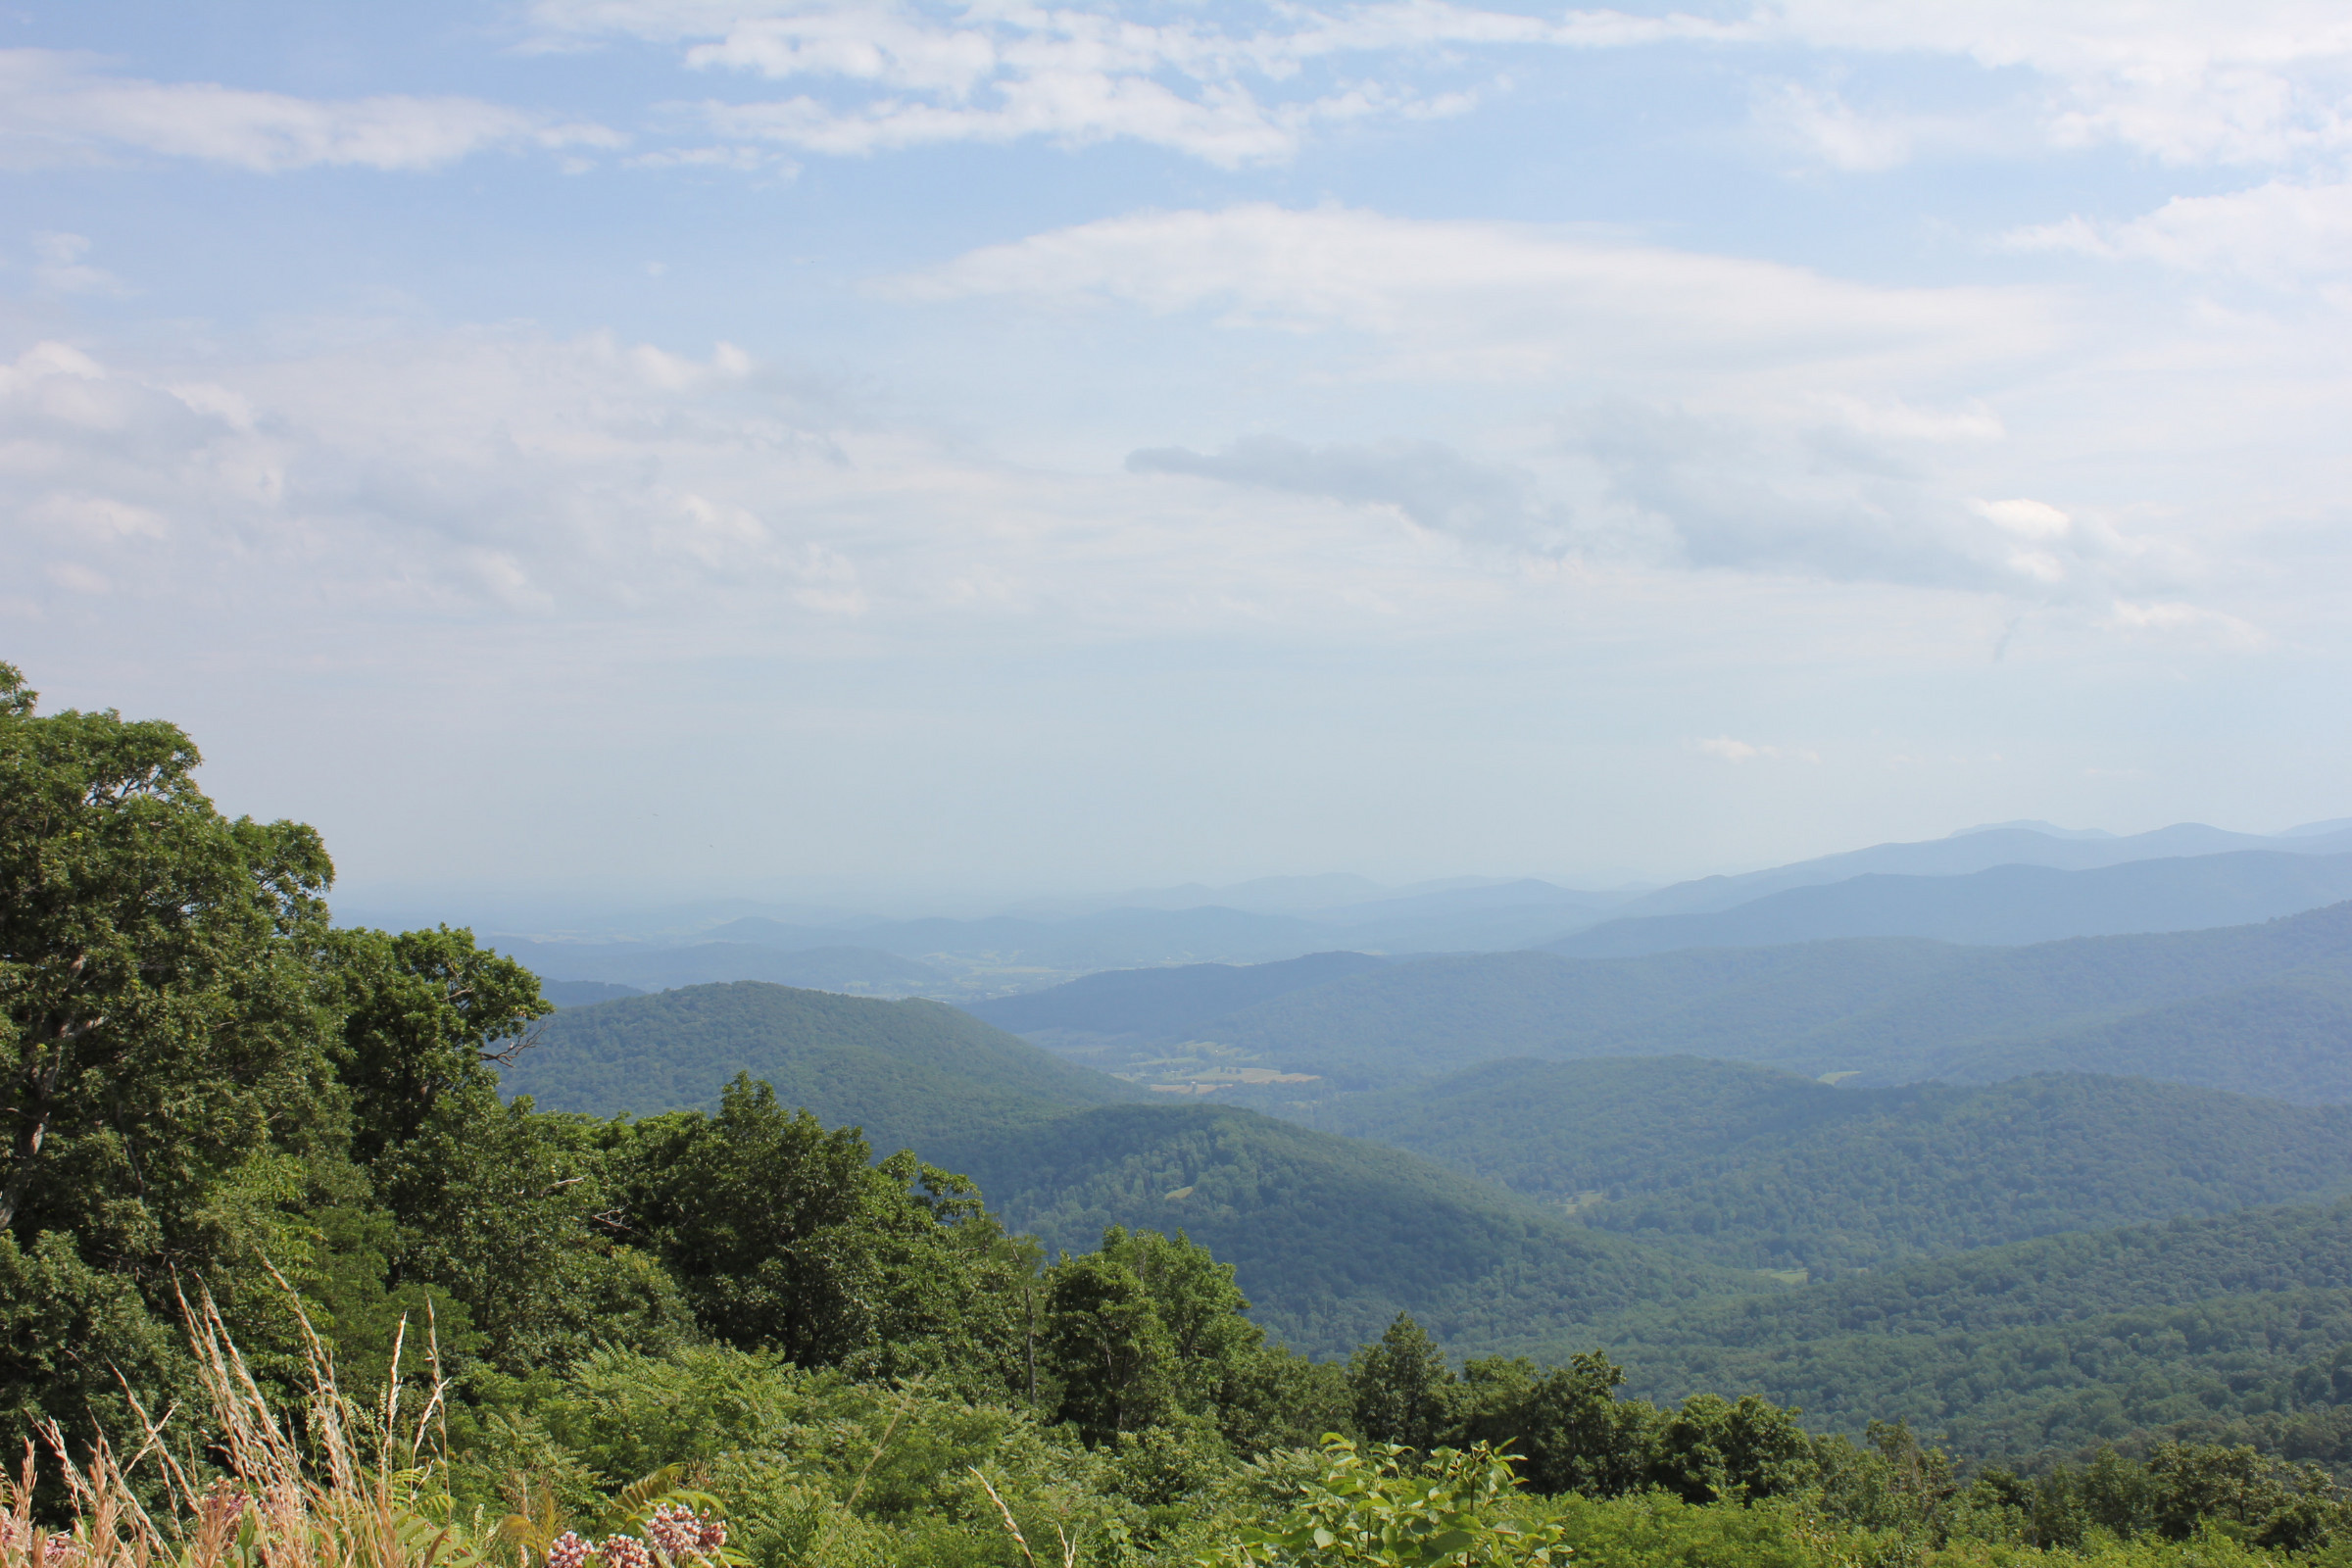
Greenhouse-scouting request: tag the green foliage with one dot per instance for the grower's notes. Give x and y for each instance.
(426, 1014)
(783, 1237)
(160, 1024)
(1384, 1510)
(1402, 1387)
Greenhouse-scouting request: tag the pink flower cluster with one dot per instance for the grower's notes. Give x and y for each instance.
(625, 1552)
(677, 1531)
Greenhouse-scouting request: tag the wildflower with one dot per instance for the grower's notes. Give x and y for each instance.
(567, 1552)
(678, 1530)
(625, 1552)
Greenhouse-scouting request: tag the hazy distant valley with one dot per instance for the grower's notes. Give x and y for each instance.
(1639, 1110)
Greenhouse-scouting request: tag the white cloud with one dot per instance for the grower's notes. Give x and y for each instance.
(2255, 82)
(2251, 84)
(1231, 88)
(2027, 518)
(58, 264)
(1831, 129)
(1739, 751)
(2285, 233)
(1503, 301)
(2178, 619)
(1712, 413)
(59, 109)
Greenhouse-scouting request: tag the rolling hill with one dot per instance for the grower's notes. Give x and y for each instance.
(1751, 1167)
(1330, 1236)
(911, 1073)
(2248, 1008)
(2004, 906)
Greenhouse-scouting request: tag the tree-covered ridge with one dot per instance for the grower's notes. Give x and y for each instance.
(1752, 1167)
(911, 1073)
(1331, 1237)
(1888, 1009)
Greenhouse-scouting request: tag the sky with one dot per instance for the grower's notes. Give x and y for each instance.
(662, 448)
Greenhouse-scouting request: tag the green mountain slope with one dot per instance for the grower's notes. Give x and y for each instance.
(2289, 1035)
(1751, 1167)
(1331, 1237)
(1888, 1009)
(911, 1073)
(2042, 1345)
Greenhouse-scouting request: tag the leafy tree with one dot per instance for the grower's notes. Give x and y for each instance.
(1110, 1354)
(784, 1238)
(1403, 1388)
(1712, 1450)
(1572, 1431)
(1381, 1508)
(162, 1025)
(426, 1015)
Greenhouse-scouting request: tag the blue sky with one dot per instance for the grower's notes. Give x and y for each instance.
(644, 447)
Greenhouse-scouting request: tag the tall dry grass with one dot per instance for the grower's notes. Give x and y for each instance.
(346, 1486)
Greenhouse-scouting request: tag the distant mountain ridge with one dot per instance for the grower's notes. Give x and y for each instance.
(1979, 850)
(2004, 906)
(2264, 1010)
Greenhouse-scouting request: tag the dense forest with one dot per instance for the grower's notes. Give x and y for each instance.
(729, 1332)
(1752, 1167)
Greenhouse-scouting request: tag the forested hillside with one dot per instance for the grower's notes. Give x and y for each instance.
(1330, 1236)
(1752, 1167)
(2055, 1343)
(911, 1073)
(2003, 905)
